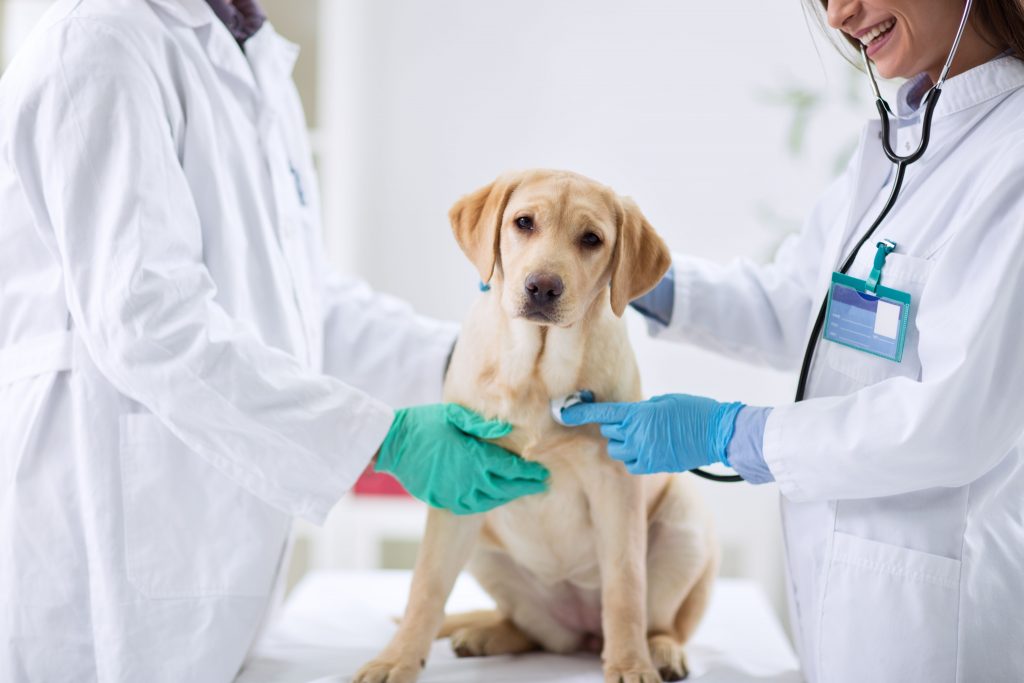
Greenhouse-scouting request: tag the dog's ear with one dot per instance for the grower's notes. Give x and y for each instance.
(640, 258)
(476, 222)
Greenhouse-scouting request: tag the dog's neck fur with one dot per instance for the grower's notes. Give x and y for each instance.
(550, 355)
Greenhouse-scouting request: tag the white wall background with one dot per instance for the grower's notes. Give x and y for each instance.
(688, 107)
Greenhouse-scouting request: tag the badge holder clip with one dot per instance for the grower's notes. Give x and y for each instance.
(864, 315)
(885, 247)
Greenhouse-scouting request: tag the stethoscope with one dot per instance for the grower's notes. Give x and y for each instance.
(930, 99)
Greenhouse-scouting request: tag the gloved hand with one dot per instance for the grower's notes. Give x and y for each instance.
(670, 433)
(436, 453)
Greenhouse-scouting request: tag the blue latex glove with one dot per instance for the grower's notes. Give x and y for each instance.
(670, 433)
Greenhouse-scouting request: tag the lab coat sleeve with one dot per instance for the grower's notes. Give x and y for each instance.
(966, 413)
(755, 312)
(96, 157)
(377, 343)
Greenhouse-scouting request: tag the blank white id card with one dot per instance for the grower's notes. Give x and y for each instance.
(874, 323)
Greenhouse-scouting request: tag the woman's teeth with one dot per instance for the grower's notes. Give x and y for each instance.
(877, 31)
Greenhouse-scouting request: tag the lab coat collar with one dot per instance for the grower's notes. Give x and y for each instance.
(217, 41)
(192, 13)
(963, 91)
(267, 48)
(971, 88)
(265, 51)
(224, 53)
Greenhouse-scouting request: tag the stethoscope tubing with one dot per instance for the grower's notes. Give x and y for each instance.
(931, 99)
(902, 162)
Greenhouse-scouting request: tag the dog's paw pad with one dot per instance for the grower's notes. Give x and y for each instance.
(668, 658)
(672, 674)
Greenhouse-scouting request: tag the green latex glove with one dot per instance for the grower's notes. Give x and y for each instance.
(436, 453)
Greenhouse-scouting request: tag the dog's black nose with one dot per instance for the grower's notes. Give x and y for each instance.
(544, 288)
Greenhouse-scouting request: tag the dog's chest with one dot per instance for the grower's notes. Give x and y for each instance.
(550, 535)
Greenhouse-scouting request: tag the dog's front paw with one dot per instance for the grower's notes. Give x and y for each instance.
(388, 671)
(631, 673)
(667, 655)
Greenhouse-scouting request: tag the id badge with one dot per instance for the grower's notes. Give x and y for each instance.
(875, 323)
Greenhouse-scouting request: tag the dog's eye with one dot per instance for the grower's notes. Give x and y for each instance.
(524, 223)
(590, 240)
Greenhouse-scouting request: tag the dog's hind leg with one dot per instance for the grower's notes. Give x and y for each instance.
(485, 633)
(681, 566)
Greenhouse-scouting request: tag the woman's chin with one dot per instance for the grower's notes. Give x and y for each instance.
(885, 71)
(889, 69)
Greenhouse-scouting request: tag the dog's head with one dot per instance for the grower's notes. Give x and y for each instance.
(556, 240)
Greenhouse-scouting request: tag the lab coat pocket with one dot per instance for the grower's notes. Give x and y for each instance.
(888, 614)
(905, 273)
(189, 530)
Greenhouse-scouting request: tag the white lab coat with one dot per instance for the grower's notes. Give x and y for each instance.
(902, 483)
(178, 368)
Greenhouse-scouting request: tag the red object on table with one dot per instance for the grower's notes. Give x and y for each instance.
(372, 483)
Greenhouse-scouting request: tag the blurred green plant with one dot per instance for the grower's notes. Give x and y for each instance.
(804, 103)
(807, 105)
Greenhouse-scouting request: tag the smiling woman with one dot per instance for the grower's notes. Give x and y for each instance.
(901, 533)
(906, 37)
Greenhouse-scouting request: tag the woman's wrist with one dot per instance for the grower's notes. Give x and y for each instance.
(745, 451)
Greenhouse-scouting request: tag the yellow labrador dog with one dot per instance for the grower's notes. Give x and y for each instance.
(603, 558)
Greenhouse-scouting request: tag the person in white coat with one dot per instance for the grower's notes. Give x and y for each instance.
(902, 482)
(181, 374)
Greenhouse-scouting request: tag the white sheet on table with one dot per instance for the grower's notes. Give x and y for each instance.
(334, 622)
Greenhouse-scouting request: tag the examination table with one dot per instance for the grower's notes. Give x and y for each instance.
(334, 622)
